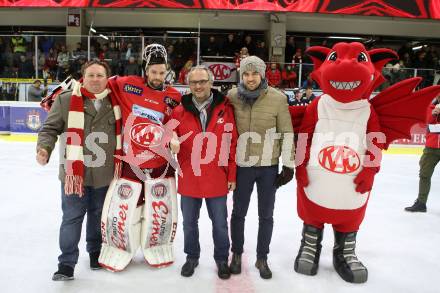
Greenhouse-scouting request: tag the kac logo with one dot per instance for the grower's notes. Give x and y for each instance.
(125, 191)
(339, 159)
(220, 71)
(159, 190)
(146, 134)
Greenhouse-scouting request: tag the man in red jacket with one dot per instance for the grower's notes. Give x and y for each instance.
(430, 157)
(207, 163)
(273, 76)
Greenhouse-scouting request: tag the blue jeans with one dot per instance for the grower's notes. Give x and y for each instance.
(218, 213)
(246, 178)
(74, 209)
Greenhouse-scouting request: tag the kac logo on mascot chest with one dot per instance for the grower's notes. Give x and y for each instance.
(339, 159)
(146, 134)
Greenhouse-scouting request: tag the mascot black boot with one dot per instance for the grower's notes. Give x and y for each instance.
(307, 260)
(345, 260)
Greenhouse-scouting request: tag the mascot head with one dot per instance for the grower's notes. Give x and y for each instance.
(348, 72)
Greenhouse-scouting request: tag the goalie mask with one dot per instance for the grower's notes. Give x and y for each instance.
(154, 54)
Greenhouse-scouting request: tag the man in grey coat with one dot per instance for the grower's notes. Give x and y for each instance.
(266, 134)
(96, 119)
(35, 92)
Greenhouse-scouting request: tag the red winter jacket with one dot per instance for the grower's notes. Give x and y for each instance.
(206, 172)
(432, 139)
(273, 77)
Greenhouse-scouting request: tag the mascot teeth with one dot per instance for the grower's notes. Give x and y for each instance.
(342, 85)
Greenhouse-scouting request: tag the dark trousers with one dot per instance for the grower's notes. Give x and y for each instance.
(428, 161)
(218, 213)
(265, 179)
(74, 209)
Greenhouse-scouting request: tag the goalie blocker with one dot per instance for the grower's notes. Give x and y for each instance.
(126, 226)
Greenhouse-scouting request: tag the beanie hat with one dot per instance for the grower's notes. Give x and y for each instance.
(254, 64)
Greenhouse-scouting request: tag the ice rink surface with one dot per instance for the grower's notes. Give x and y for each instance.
(401, 250)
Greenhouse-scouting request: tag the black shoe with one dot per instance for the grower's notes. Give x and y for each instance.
(188, 267)
(235, 266)
(345, 260)
(94, 265)
(64, 273)
(307, 260)
(263, 267)
(223, 270)
(418, 206)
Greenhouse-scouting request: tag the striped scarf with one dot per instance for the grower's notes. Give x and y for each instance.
(74, 165)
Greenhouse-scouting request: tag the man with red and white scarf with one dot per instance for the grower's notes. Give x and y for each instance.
(140, 208)
(87, 120)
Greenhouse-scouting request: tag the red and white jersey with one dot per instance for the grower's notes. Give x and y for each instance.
(150, 109)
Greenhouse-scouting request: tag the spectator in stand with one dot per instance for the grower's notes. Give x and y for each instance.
(103, 51)
(298, 57)
(18, 46)
(76, 67)
(46, 73)
(112, 55)
(297, 99)
(421, 64)
(127, 53)
(25, 69)
(51, 61)
(289, 77)
(308, 95)
(249, 44)
(307, 41)
(170, 54)
(211, 48)
(184, 71)
(35, 92)
(62, 63)
(230, 47)
(78, 52)
(132, 68)
(436, 62)
(405, 49)
(41, 62)
(261, 51)
(170, 75)
(243, 54)
(273, 75)
(407, 61)
(397, 74)
(309, 82)
(289, 51)
(46, 43)
(183, 53)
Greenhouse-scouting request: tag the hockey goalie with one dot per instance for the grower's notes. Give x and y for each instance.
(140, 209)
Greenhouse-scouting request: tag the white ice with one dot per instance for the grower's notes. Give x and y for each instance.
(401, 250)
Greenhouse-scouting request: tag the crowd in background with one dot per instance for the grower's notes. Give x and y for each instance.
(55, 62)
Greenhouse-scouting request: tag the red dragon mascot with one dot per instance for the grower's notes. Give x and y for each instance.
(341, 137)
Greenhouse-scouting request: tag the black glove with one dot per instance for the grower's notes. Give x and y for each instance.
(284, 177)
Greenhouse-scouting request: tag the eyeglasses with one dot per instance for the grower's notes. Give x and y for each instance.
(201, 82)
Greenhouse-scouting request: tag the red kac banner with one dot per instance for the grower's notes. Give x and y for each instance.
(396, 8)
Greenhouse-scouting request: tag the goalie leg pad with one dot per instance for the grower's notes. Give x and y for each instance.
(120, 224)
(159, 222)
